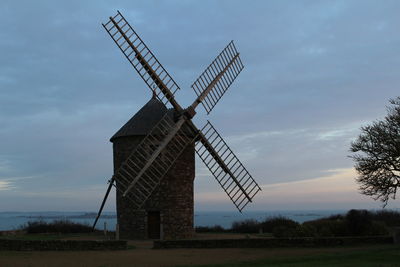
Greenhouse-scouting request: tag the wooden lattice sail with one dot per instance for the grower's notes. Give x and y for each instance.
(138, 177)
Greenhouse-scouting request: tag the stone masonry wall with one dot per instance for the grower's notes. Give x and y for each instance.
(131, 224)
(29, 245)
(177, 196)
(174, 198)
(273, 242)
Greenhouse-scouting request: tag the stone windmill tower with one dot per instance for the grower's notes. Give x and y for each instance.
(154, 151)
(168, 213)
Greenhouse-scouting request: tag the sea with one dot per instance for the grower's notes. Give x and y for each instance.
(16, 220)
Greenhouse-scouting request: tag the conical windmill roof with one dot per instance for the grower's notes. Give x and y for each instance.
(144, 120)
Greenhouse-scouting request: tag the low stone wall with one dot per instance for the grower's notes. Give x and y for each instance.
(272, 242)
(28, 245)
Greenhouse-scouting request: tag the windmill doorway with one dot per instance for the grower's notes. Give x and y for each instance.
(153, 224)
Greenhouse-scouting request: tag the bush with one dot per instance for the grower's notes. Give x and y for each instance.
(305, 230)
(326, 227)
(358, 222)
(354, 223)
(65, 227)
(377, 228)
(269, 224)
(336, 217)
(246, 226)
(210, 229)
(283, 231)
(389, 217)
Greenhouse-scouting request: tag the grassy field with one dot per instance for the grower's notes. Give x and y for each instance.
(143, 255)
(140, 253)
(388, 255)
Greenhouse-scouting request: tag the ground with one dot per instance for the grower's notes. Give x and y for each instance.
(381, 256)
(141, 254)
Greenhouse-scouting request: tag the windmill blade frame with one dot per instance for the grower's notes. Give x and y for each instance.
(143, 170)
(142, 59)
(215, 80)
(226, 167)
(138, 173)
(172, 132)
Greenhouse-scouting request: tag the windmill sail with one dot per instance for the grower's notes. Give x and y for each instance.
(141, 173)
(142, 59)
(227, 169)
(216, 79)
(144, 169)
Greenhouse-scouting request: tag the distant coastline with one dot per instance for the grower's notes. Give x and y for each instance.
(12, 220)
(86, 215)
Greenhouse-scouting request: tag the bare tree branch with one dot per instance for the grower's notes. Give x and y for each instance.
(377, 156)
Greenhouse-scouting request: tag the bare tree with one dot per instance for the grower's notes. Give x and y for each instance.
(377, 155)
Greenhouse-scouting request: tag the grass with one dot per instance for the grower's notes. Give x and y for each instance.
(387, 255)
(369, 255)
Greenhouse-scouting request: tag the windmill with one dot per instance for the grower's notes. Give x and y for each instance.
(142, 171)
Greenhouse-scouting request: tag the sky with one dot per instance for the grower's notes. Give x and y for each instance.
(315, 72)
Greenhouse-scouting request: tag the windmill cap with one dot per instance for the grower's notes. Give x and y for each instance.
(144, 120)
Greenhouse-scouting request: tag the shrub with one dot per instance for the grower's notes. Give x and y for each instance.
(284, 231)
(336, 217)
(377, 228)
(210, 229)
(358, 222)
(326, 227)
(391, 218)
(246, 226)
(269, 224)
(355, 223)
(34, 227)
(305, 230)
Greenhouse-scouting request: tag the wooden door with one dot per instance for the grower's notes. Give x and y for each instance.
(153, 224)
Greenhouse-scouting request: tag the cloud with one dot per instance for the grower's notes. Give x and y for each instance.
(93, 192)
(336, 181)
(336, 190)
(11, 183)
(5, 185)
(314, 72)
(83, 198)
(336, 134)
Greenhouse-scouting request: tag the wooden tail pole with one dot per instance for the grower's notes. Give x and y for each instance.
(104, 202)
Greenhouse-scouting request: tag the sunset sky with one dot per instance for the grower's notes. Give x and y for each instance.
(315, 72)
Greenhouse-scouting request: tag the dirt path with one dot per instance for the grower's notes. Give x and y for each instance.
(144, 256)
